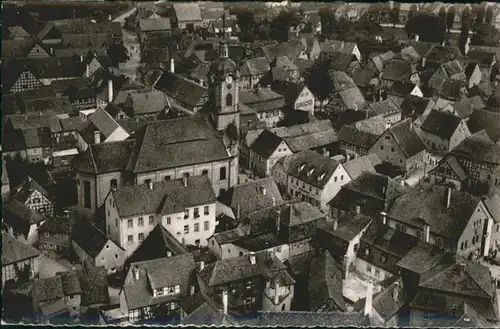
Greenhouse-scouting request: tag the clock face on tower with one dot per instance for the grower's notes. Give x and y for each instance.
(229, 79)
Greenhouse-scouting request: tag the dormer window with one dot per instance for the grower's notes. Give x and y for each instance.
(321, 177)
(309, 173)
(367, 251)
(302, 166)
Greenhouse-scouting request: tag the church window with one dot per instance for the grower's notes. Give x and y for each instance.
(229, 100)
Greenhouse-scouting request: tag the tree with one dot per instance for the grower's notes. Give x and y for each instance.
(466, 16)
(318, 80)
(430, 28)
(481, 13)
(489, 15)
(246, 21)
(118, 53)
(281, 24)
(442, 13)
(413, 11)
(485, 35)
(328, 21)
(394, 13)
(450, 17)
(462, 39)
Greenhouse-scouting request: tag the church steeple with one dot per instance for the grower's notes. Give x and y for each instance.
(223, 50)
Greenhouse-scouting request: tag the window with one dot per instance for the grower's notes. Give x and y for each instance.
(169, 220)
(140, 221)
(367, 251)
(186, 174)
(341, 177)
(440, 243)
(86, 194)
(419, 234)
(130, 239)
(222, 190)
(229, 100)
(130, 223)
(151, 220)
(116, 255)
(186, 229)
(206, 226)
(116, 222)
(368, 268)
(241, 253)
(335, 178)
(196, 212)
(387, 137)
(167, 178)
(140, 237)
(206, 210)
(392, 149)
(377, 272)
(204, 172)
(197, 242)
(113, 183)
(222, 173)
(383, 258)
(196, 227)
(381, 147)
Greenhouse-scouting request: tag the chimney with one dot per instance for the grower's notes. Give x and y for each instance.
(97, 137)
(172, 65)
(51, 51)
(335, 223)
(252, 258)
(238, 211)
(276, 292)
(448, 197)
(191, 292)
(423, 62)
(402, 183)
(169, 254)
(110, 90)
(358, 209)
(109, 17)
(278, 220)
(346, 267)
(395, 291)
(224, 301)
(383, 215)
(417, 37)
(150, 184)
(202, 265)
(369, 299)
(66, 213)
(427, 232)
(467, 46)
(263, 190)
(462, 267)
(137, 273)
(185, 181)
(81, 58)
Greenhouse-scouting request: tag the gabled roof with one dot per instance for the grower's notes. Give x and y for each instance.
(105, 157)
(222, 271)
(338, 46)
(177, 142)
(255, 66)
(406, 137)
(477, 149)
(422, 258)
(488, 120)
(186, 12)
(14, 251)
(452, 89)
(312, 168)
(353, 135)
(249, 196)
(91, 239)
(474, 281)
(466, 107)
(18, 48)
(22, 192)
(202, 310)
(427, 205)
(100, 121)
(359, 165)
(340, 61)
(442, 54)
(148, 103)
(156, 24)
(56, 67)
(482, 57)
(385, 107)
(266, 143)
(303, 319)
(352, 97)
(186, 91)
(414, 106)
(325, 282)
(57, 224)
(290, 49)
(442, 124)
(397, 70)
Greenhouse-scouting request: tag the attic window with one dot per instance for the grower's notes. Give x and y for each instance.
(302, 166)
(309, 173)
(321, 177)
(367, 251)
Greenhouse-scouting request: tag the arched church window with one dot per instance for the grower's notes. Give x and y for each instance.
(229, 100)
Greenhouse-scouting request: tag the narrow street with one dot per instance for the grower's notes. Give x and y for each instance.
(131, 42)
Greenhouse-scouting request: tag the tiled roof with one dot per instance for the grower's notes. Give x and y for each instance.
(57, 105)
(352, 97)
(131, 125)
(311, 141)
(384, 107)
(105, 157)
(258, 242)
(57, 224)
(14, 250)
(384, 301)
(397, 70)
(249, 196)
(158, 273)
(186, 12)
(71, 124)
(375, 125)
(155, 24)
(363, 77)
(18, 49)
(442, 54)
(475, 281)
(202, 310)
(348, 226)
(56, 67)
(381, 60)
(22, 192)
(166, 197)
(340, 61)
(422, 258)
(91, 239)
(452, 89)
(255, 66)
(262, 94)
(442, 124)
(298, 213)
(481, 57)
(177, 142)
(266, 143)
(337, 46)
(312, 167)
(406, 137)
(359, 165)
(290, 49)
(356, 136)
(488, 120)
(223, 271)
(325, 282)
(466, 107)
(305, 319)
(186, 91)
(477, 149)
(428, 205)
(148, 103)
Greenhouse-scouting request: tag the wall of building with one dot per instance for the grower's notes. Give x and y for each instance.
(283, 306)
(305, 101)
(53, 241)
(73, 303)
(40, 203)
(388, 150)
(333, 187)
(461, 133)
(111, 257)
(80, 179)
(475, 228)
(368, 269)
(82, 254)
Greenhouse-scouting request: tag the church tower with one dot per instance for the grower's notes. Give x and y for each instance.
(223, 88)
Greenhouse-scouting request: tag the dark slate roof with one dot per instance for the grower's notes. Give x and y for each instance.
(18, 49)
(159, 273)
(483, 119)
(441, 123)
(312, 168)
(223, 271)
(397, 70)
(340, 61)
(384, 302)
(442, 54)
(481, 57)
(352, 135)
(266, 143)
(477, 149)
(166, 197)
(402, 89)
(249, 196)
(91, 239)
(348, 226)
(184, 90)
(325, 282)
(56, 67)
(22, 192)
(57, 224)
(105, 157)
(94, 283)
(258, 242)
(449, 279)
(156, 24)
(406, 137)
(466, 107)
(177, 142)
(422, 258)
(423, 205)
(306, 319)
(451, 89)
(14, 250)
